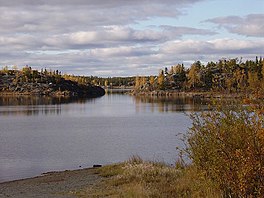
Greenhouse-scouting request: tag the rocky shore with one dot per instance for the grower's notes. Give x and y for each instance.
(206, 95)
(197, 94)
(47, 86)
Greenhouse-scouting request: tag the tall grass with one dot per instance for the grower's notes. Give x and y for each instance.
(137, 178)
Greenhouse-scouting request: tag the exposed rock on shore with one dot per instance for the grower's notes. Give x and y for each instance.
(17, 84)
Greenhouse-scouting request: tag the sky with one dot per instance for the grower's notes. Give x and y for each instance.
(127, 37)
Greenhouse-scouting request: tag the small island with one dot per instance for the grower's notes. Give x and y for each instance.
(28, 81)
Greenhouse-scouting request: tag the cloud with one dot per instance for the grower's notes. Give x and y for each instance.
(101, 37)
(110, 35)
(218, 47)
(104, 37)
(19, 42)
(180, 31)
(122, 52)
(101, 3)
(79, 15)
(250, 25)
(136, 60)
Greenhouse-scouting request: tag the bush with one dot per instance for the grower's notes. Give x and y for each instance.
(227, 144)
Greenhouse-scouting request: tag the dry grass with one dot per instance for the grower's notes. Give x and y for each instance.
(138, 178)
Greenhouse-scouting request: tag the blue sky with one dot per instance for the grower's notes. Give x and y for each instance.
(197, 14)
(124, 38)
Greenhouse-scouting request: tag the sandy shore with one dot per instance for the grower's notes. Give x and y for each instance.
(51, 185)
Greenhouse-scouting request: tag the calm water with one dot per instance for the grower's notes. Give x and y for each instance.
(43, 134)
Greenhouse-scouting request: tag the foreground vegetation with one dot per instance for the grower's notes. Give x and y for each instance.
(138, 178)
(227, 144)
(226, 150)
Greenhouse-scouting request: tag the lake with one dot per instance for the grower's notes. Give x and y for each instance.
(41, 134)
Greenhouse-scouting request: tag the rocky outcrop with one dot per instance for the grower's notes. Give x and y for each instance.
(62, 87)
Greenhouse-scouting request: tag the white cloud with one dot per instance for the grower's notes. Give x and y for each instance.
(92, 3)
(106, 36)
(81, 15)
(250, 25)
(90, 37)
(83, 37)
(218, 47)
(123, 51)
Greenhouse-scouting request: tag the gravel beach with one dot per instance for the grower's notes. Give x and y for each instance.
(51, 185)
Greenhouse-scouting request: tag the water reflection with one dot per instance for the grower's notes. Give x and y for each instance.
(37, 100)
(35, 105)
(41, 134)
(170, 104)
(118, 91)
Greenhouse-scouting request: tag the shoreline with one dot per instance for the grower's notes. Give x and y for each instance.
(197, 94)
(51, 184)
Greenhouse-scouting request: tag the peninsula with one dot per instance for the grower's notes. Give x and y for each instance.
(47, 83)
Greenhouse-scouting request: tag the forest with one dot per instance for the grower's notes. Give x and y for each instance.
(29, 75)
(228, 76)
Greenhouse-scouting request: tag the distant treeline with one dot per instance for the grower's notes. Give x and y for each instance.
(112, 81)
(225, 75)
(28, 81)
(29, 75)
(232, 75)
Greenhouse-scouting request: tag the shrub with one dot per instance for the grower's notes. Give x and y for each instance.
(227, 144)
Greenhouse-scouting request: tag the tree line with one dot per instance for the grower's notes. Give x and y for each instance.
(225, 75)
(29, 75)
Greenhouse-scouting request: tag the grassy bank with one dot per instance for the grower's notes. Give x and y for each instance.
(138, 178)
